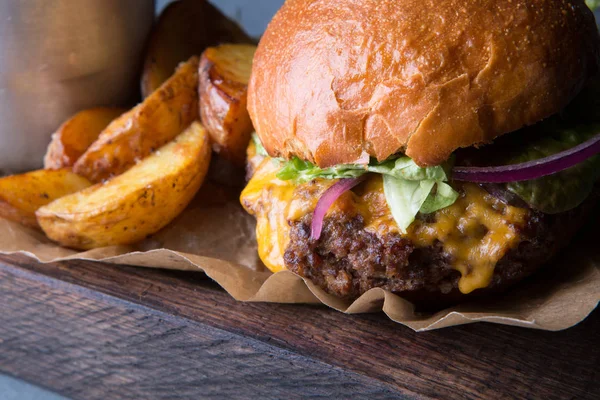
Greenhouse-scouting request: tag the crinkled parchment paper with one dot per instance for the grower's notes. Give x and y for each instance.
(216, 236)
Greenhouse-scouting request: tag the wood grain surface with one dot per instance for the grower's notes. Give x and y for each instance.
(97, 331)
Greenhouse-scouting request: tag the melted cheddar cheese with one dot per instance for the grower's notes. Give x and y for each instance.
(475, 232)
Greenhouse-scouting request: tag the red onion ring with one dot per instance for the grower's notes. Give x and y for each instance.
(532, 169)
(326, 201)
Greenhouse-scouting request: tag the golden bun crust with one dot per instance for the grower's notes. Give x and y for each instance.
(337, 81)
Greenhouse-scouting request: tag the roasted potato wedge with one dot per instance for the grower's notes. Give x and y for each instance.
(140, 131)
(185, 28)
(22, 195)
(224, 74)
(74, 137)
(135, 204)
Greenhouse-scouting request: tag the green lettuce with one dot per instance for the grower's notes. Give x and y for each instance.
(564, 190)
(260, 149)
(444, 196)
(405, 168)
(593, 4)
(303, 171)
(409, 189)
(405, 198)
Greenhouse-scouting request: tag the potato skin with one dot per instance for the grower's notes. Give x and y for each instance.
(145, 128)
(22, 195)
(224, 74)
(77, 134)
(136, 204)
(185, 28)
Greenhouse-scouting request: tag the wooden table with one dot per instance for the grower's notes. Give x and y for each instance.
(96, 331)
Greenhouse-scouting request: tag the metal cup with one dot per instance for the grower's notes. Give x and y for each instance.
(61, 56)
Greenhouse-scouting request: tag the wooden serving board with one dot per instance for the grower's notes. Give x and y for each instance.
(97, 331)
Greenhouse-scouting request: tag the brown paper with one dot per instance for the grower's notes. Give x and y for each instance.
(216, 236)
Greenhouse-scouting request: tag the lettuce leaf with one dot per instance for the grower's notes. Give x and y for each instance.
(405, 168)
(409, 189)
(444, 196)
(260, 149)
(564, 190)
(405, 198)
(593, 4)
(303, 171)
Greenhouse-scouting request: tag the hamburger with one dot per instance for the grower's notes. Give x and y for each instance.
(437, 150)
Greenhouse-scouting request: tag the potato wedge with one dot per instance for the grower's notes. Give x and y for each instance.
(135, 204)
(78, 133)
(223, 88)
(185, 28)
(145, 128)
(22, 195)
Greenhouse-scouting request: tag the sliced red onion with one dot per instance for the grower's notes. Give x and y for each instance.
(327, 200)
(532, 169)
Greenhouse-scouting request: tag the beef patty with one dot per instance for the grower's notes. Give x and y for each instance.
(348, 260)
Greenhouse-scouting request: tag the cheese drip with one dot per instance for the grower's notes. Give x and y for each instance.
(475, 232)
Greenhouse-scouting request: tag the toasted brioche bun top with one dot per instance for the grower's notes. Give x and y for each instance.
(337, 81)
